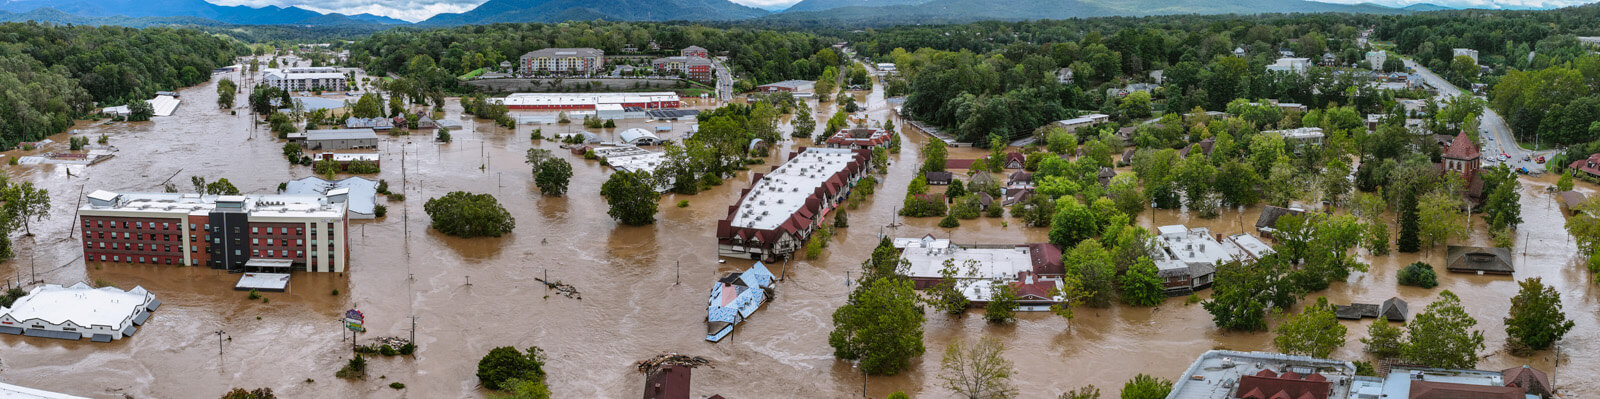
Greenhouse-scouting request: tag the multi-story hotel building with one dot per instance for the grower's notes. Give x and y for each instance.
(696, 68)
(219, 231)
(563, 60)
(307, 78)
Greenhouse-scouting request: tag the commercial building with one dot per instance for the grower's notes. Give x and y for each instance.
(219, 231)
(640, 137)
(782, 208)
(1072, 125)
(361, 193)
(339, 139)
(562, 60)
(1034, 271)
(102, 314)
(698, 69)
(861, 137)
(695, 51)
(589, 101)
(1470, 53)
(1299, 138)
(792, 86)
(1223, 374)
(162, 105)
(1375, 59)
(305, 79)
(1187, 259)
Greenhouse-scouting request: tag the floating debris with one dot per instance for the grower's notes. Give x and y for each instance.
(672, 359)
(565, 289)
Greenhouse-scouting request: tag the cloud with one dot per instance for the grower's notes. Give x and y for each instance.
(410, 10)
(768, 4)
(1472, 3)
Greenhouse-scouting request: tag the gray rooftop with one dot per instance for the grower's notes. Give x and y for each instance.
(341, 134)
(362, 192)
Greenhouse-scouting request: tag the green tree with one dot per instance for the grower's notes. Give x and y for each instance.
(506, 363)
(1442, 335)
(1095, 271)
(468, 215)
(140, 111)
(1419, 274)
(1084, 392)
(946, 296)
(880, 325)
(949, 222)
(1536, 321)
(258, 393)
(1002, 307)
(1463, 70)
(1565, 182)
(1126, 193)
(633, 197)
(26, 203)
(1072, 223)
(955, 190)
(368, 106)
(1441, 218)
(1136, 105)
(1383, 340)
(933, 155)
(520, 388)
(1146, 387)
(221, 187)
(1410, 229)
(1313, 332)
(978, 371)
(226, 90)
(804, 123)
(1141, 286)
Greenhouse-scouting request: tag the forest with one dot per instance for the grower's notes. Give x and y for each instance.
(53, 74)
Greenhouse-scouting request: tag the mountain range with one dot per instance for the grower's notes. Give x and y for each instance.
(201, 12)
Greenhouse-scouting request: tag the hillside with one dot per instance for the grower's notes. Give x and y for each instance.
(165, 8)
(953, 11)
(497, 11)
(819, 5)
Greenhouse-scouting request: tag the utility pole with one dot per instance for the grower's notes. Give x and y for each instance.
(413, 329)
(679, 277)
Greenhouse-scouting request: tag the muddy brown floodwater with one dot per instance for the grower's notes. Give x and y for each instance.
(633, 304)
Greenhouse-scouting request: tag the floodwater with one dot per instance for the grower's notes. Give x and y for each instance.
(644, 288)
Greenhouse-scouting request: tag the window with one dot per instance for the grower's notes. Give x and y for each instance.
(141, 247)
(283, 230)
(85, 224)
(238, 253)
(167, 248)
(208, 226)
(102, 245)
(299, 254)
(299, 242)
(124, 224)
(166, 226)
(269, 253)
(191, 226)
(269, 242)
(255, 252)
(138, 225)
(141, 259)
(102, 258)
(100, 223)
(116, 258)
(254, 241)
(300, 230)
(193, 249)
(255, 230)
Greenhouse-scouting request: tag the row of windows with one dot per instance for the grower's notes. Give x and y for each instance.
(131, 247)
(285, 253)
(154, 260)
(281, 230)
(131, 236)
(131, 225)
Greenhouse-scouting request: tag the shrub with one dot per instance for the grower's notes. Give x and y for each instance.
(408, 349)
(1419, 275)
(356, 368)
(335, 292)
(380, 211)
(949, 222)
(507, 363)
(396, 197)
(683, 204)
(468, 215)
(387, 350)
(397, 385)
(253, 295)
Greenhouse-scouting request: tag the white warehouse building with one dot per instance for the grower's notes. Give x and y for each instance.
(102, 314)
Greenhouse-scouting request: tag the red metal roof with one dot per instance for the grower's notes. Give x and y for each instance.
(1445, 390)
(1282, 386)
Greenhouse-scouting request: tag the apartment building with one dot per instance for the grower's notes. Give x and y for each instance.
(218, 231)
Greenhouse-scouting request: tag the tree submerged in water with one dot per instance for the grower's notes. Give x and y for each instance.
(468, 215)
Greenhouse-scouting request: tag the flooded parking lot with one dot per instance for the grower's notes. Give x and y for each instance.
(643, 288)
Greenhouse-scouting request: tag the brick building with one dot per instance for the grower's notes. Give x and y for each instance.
(221, 232)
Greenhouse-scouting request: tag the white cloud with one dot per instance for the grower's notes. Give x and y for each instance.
(1472, 3)
(410, 10)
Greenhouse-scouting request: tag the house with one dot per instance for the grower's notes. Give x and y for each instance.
(861, 137)
(1064, 75)
(1021, 179)
(1328, 59)
(792, 86)
(1105, 175)
(1015, 160)
(1291, 65)
(667, 381)
(340, 139)
(562, 60)
(1298, 138)
(1531, 380)
(640, 137)
(103, 314)
(1238, 52)
(695, 51)
(1393, 309)
(962, 164)
(1012, 197)
(1589, 166)
(1204, 146)
(938, 178)
(1072, 125)
(1571, 200)
(1481, 260)
(985, 201)
(783, 207)
(1249, 248)
(1267, 222)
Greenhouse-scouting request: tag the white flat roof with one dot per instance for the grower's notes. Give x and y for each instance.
(176, 204)
(559, 99)
(1090, 118)
(909, 243)
(1298, 133)
(263, 281)
(1179, 250)
(1215, 373)
(8, 391)
(781, 193)
(995, 263)
(81, 304)
(628, 136)
(344, 157)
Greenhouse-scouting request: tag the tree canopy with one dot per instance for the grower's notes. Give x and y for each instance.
(467, 215)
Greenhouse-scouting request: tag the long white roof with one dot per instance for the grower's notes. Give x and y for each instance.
(992, 263)
(176, 204)
(81, 304)
(570, 99)
(781, 193)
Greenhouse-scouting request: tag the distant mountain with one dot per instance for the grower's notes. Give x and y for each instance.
(379, 19)
(55, 16)
(270, 15)
(819, 5)
(496, 11)
(952, 11)
(1421, 7)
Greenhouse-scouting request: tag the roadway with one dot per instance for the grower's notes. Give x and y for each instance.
(1496, 135)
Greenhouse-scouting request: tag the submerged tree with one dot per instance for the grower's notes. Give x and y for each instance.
(1442, 336)
(1536, 321)
(1313, 332)
(468, 215)
(978, 371)
(880, 325)
(633, 197)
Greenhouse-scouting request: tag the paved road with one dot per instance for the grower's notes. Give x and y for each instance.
(724, 81)
(1497, 137)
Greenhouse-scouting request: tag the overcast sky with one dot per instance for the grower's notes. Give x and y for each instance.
(417, 10)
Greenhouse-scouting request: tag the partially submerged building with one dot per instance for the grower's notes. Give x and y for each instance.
(860, 137)
(1223, 374)
(306, 78)
(1480, 260)
(360, 193)
(102, 314)
(640, 137)
(1187, 259)
(589, 101)
(340, 139)
(219, 231)
(773, 217)
(1033, 271)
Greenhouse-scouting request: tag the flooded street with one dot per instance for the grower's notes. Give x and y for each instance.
(471, 295)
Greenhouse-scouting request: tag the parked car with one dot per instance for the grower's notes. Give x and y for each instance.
(1540, 160)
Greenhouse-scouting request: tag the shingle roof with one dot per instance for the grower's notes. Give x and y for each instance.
(1462, 148)
(1531, 380)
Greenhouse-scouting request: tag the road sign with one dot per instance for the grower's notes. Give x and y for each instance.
(354, 315)
(354, 320)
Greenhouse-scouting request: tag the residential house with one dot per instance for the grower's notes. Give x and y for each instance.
(1015, 160)
(938, 178)
(1267, 222)
(1589, 166)
(1480, 260)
